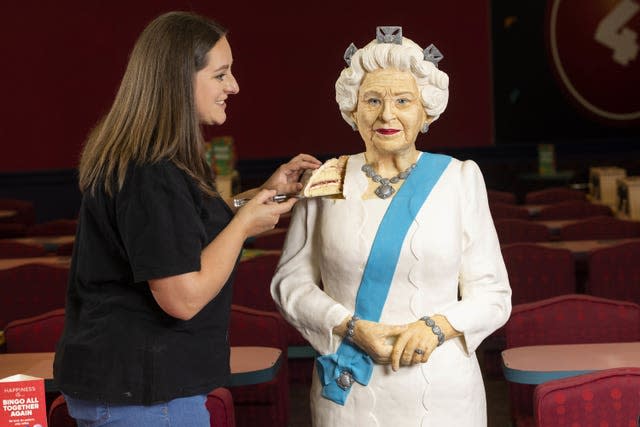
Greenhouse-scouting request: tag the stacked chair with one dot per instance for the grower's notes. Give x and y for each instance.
(567, 319)
(504, 210)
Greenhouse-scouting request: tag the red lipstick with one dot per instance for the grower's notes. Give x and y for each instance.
(387, 131)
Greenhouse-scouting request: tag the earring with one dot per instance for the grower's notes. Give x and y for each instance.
(425, 128)
(354, 126)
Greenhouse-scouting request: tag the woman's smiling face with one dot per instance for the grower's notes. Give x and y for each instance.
(389, 113)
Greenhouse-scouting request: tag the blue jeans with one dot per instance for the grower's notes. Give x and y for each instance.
(182, 412)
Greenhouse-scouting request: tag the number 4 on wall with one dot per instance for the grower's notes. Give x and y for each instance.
(610, 32)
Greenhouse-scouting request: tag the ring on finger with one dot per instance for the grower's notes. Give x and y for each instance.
(419, 351)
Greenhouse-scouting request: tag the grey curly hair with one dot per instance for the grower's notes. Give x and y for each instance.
(433, 84)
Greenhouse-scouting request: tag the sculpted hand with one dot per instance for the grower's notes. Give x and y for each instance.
(376, 339)
(417, 336)
(285, 178)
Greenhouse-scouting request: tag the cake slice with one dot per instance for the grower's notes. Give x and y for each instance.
(326, 180)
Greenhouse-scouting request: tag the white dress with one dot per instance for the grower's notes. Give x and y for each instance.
(450, 247)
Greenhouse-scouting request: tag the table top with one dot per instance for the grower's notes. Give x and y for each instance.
(50, 243)
(5, 213)
(539, 363)
(249, 365)
(56, 261)
(581, 248)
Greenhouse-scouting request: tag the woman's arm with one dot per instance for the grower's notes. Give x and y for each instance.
(184, 295)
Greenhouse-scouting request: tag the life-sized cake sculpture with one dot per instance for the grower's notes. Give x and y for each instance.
(326, 180)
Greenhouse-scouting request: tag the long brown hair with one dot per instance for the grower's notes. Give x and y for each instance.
(153, 116)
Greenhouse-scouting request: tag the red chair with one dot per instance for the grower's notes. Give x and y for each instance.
(567, 319)
(57, 227)
(12, 230)
(272, 239)
(265, 404)
(31, 289)
(573, 209)
(496, 196)
(614, 272)
(10, 249)
(65, 249)
(35, 334)
(26, 211)
(503, 210)
(220, 406)
(553, 195)
(512, 230)
(604, 398)
(535, 273)
(601, 227)
(59, 414)
(251, 287)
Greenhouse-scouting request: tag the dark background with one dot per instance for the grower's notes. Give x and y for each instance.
(62, 63)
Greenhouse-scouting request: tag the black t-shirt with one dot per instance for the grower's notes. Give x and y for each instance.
(118, 345)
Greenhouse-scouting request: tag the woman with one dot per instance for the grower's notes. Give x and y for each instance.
(410, 266)
(149, 294)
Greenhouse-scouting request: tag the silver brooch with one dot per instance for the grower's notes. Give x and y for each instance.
(349, 53)
(345, 380)
(389, 35)
(432, 54)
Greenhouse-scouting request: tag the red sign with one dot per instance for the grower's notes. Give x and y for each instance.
(593, 46)
(23, 402)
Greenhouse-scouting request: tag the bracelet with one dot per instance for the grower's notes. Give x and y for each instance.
(351, 324)
(434, 328)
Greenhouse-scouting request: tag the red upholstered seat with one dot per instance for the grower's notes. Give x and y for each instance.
(251, 287)
(614, 272)
(537, 272)
(65, 249)
(31, 289)
(496, 196)
(503, 210)
(59, 414)
(567, 319)
(26, 213)
(35, 334)
(265, 404)
(573, 209)
(57, 227)
(604, 398)
(220, 407)
(512, 230)
(553, 195)
(600, 227)
(9, 249)
(12, 229)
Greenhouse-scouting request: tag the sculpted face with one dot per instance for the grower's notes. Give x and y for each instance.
(389, 113)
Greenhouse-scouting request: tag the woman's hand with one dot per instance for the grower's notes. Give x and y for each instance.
(285, 179)
(261, 214)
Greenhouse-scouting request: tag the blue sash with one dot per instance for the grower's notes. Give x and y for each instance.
(378, 273)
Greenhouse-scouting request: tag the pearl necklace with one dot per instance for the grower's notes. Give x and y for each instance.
(385, 189)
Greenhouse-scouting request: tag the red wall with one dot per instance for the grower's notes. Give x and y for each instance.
(62, 62)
